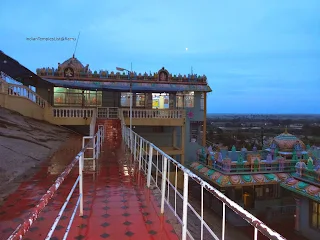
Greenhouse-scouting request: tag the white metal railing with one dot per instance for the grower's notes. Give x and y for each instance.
(96, 144)
(108, 112)
(25, 92)
(8, 79)
(164, 171)
(154, 113)
(60, 112)
(22, 229)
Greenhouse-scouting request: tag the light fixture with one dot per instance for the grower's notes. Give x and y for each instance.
(4, 61)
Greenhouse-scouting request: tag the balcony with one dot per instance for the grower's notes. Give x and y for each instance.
(252, 163)
(13, 96)
(308, 173)
(70, 116)
(165, 117)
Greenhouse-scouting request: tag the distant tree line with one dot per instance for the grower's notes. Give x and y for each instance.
(249, 137)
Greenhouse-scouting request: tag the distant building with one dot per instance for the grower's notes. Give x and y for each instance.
(262, 181)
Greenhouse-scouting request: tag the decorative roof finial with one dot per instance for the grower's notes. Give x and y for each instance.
(72, 55)
(286, 130)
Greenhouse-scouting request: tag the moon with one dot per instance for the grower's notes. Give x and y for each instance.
(186, 49)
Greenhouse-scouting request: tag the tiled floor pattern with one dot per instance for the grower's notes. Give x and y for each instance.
(18, 205)
(116, 205)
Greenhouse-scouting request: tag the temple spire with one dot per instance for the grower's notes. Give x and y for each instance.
(286, 130)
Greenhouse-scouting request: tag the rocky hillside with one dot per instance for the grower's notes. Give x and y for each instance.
(24, 144)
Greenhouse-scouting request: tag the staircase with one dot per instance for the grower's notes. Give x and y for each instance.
(112, 131)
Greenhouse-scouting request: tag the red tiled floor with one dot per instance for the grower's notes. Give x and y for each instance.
(18, 205)
(116, 206)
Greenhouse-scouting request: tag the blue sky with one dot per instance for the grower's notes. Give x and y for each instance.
(260, 56)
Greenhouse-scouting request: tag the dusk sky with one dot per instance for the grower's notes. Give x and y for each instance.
(260, 56)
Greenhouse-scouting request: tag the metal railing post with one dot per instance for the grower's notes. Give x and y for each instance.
(103, 133)
(185, 206)
(163, 183)
(99, 142)
(81, 183)
(149, 165)
(94, 147)
(98, 145)
(255, 233)
(202, 220)
(131, 141)
(94, 152)
(101, 139)
(135, 147)
(223, 220)
(140, 153)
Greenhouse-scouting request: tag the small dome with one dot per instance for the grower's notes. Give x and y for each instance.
(73, 63)
(286, 142)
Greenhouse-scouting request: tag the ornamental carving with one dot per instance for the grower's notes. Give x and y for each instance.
(163, 75)
(73, 68)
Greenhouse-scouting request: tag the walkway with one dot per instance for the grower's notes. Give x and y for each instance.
(18, 204)
(116, 205)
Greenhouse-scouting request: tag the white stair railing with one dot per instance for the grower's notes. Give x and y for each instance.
(158, 168)
(22, 229)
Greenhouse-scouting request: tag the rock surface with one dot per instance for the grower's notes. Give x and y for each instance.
(24, 144)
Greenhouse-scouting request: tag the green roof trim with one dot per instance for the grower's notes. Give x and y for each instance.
(302, 188)
(237, 179)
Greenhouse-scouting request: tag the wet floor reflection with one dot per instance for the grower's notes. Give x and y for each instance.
(116, 203)
(18, 204)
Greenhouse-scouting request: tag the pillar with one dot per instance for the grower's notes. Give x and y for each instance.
(297, 214)
(204, 135)
(183, 134)
(174, 137)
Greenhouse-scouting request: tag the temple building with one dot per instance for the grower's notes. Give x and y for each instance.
(168, 109)
(279, 183)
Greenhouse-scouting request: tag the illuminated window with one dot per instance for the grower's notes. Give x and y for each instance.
(93, 98)
(59, 96)
(189, 100)
(125, 99)
(76, 97)
(59, 99)
(179, 100)
(315, 215)
(202, 102)
(140, 99)
(160, 101)
(185, 100)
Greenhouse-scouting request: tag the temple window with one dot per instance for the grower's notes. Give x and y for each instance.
(125, 99)
(140, 100)
(60, 96)
(160, 101)
(315, 215)
(93, 98)
(269, 191)
(76, 97)
(185, 100)
(189, 100)
(179, 100)
(195, 131)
